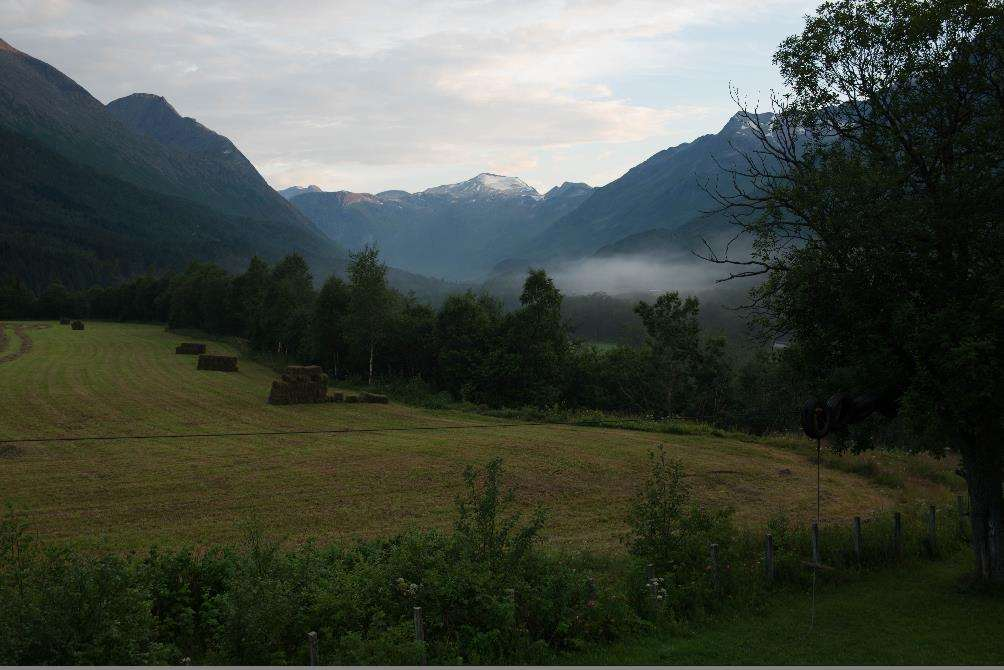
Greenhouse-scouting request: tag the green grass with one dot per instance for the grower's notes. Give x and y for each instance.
(916, 614)
(124, 379)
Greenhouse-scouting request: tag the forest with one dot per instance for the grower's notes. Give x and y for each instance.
(472, 347)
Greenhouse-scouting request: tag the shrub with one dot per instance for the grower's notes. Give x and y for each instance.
(674, 535)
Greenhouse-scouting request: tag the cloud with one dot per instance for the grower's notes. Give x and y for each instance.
(373, 95)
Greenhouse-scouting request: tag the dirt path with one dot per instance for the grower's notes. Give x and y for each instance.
(20, 331)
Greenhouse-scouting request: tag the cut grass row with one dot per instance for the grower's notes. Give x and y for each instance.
(124, 379)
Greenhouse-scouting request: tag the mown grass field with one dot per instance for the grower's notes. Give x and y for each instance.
(402, 468)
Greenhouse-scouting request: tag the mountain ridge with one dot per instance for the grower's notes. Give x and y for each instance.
(473, 223)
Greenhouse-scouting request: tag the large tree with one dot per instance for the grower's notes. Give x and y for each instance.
(370, 301)
(875, 204)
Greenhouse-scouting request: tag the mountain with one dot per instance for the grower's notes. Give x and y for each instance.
(666, 192)
(485, 185)
(88, 197)
(238, 185)
(40, 103)
(458, 231)
(293, 191)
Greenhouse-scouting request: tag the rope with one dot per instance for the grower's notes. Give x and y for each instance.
(815, 566)
(330, 431)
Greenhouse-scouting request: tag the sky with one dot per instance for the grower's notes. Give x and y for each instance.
(376, 95)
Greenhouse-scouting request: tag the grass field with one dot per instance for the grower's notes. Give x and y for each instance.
(914, 615)
(401, 468)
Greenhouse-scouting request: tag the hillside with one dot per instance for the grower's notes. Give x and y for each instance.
(238, 186)
(457, 231)
(62, 221)
(665, 192)
(378, 476)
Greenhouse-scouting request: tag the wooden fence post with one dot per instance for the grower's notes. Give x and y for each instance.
(653, 586)
(932, 529)
(768, 557)
(713, 555)
(312, 643)
(420, 632)
(897, 534)
(815, 545)
(857, 538)
(961, 508)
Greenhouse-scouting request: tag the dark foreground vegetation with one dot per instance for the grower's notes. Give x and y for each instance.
(488, 591)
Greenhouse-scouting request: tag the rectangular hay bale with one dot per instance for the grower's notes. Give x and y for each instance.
(77, 325)
(217, 363)
(192, 348)
(375, 398)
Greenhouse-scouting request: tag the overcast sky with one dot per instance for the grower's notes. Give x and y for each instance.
(369, 96)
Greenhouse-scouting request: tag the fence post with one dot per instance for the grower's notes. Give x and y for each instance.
(713, 555)
(653, 587)
(815, 544)
(312, 643)
(420, 632)
(857, 538)
(768, 557)
(932, 529)
(897, 534)
(960, 506)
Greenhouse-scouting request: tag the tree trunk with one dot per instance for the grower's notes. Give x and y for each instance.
(371, 364)
(986, 511)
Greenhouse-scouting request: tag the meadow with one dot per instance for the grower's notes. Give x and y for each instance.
(111, 444)
(381, 469)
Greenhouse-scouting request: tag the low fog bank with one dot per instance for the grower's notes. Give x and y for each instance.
(627, 276)
(637, 275)
(601, 294)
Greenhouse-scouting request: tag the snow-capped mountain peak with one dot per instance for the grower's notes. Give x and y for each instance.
(484, 185)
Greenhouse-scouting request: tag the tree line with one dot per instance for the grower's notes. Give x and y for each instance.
(471, 347)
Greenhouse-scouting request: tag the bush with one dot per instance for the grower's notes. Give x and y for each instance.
(670, 532)
(488, 594)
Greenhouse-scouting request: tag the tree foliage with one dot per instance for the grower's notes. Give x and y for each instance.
(875, 205)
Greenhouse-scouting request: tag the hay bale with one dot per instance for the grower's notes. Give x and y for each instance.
(77, 325)
(191, 348)
(217, 363)
(351, 398)
(336, 396)
(64, 321)
(300, 384)
(375, 398)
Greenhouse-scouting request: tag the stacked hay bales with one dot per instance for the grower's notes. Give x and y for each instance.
(217, 363)
(300, 384)
(193, 348)
(77, 325)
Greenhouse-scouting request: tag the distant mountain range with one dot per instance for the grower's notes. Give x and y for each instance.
(91, 193)
(493, 224)
(293, 191)
(458, 231)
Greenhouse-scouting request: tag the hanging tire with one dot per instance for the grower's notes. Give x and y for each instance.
(840, 408)
(815, 419)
